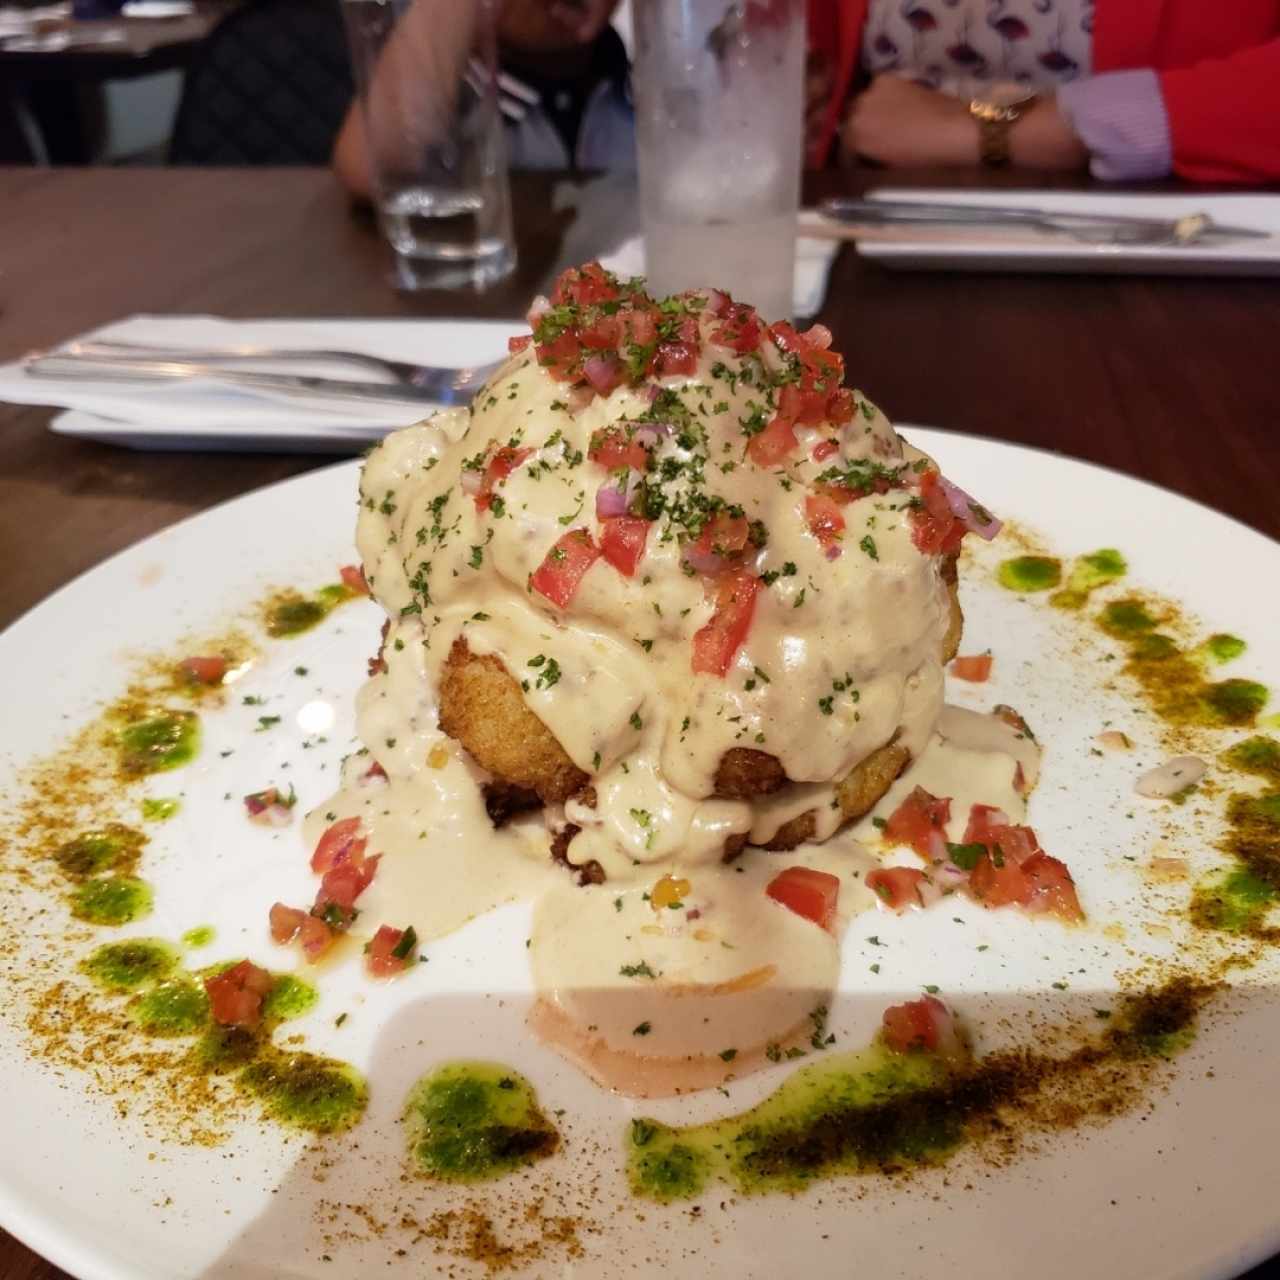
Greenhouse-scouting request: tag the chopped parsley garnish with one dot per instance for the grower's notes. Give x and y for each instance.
(640, 970)
(404, 948)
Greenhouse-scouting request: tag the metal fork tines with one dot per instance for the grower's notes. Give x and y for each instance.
(429, 383)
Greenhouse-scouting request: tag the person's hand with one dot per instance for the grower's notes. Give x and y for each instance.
(898, 123)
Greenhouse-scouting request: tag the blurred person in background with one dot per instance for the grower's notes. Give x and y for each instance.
(1132, 89)
(562, 87)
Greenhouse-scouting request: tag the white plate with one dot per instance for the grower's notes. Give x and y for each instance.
(1186, 1189)
(994, 249)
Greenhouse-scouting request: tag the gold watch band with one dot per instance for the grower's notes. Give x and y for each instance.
(994, 124)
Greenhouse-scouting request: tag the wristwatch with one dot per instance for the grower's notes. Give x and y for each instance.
(995, 120)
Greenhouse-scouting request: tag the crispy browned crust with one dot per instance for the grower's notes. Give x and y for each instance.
(955, 624)
(744, 773)
(857, 794)
(589, 872)
(482, 708)
(502, 801)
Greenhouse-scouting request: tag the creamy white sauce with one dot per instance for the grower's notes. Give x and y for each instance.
(842, 655)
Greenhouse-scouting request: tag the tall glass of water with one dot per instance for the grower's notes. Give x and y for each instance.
(426, 72)
(719, 99)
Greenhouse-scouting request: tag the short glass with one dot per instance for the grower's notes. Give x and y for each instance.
(719, 90)
(427, 75)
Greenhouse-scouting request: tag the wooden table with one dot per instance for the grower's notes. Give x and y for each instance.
(1172, 380)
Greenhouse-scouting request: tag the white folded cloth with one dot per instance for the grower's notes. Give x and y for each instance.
(205, 414)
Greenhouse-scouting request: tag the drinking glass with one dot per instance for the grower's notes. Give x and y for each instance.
(426, 72)
(719, 117)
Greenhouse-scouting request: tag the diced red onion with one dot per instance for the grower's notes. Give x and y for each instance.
(930, 892)
(702, 559)
(537, 309)
(651, 432)
(717, 302)
(579, 398)
(937, 846)
(602, 371)
(472, 481)
(965, 508)
(834, 551)
(819, 336)
(949, 876)
(610, 501)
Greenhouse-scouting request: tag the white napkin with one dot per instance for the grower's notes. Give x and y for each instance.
(813, 265)
(205, 414)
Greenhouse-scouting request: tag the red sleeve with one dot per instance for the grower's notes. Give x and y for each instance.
(1224, 116)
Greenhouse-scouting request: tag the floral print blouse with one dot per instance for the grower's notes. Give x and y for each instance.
(963, 47)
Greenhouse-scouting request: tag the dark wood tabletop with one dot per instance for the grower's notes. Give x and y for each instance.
(1170, 379)
(123, 48)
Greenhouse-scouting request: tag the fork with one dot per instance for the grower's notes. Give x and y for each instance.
(432, 383)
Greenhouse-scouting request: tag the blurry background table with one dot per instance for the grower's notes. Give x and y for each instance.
(1171, 380)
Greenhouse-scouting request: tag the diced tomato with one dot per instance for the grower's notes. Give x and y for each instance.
(825, 521)
(804, 405)
(1053, 892)
(814, 895)
(622, 540)
(920, 821)
(920, 1026)
(285, 922)
(316, 937)
(585, 285)
(992, 828)
(339, 844)
(935, 528)
(676, 358)
(715, 643)
(823, 450)
(203, 670)
(997, 881)
(375, 772)
(722, 539)
(561, 357)
(345, 883)
(740, 329)
(974, 667)
(519, 342)
(354, 580)
(236, 995)
(840, 407)
(773, 444)
(615, 447)
(641, 327)
(897, 887)
(558, 576)
(603, 334)
(784, 335)
(391, 951)
(502, 462)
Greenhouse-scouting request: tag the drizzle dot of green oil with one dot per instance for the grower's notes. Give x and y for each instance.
(200, 936)
(1026, 574)
(126, 966)
(290, 613)
(1087, 575)
(1235, 902)
(1222, 647)
(1258, 755)
(159, 809)
(304, 1090)
(175, 1007)
(1126, 618)
(166, 740)
(471, 1121)
(93, 852)
(111, 900)
(289, 998)
(1235, 702)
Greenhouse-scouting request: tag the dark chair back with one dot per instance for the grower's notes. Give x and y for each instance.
(270, 85)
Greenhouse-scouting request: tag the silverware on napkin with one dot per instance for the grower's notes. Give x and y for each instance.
(131, 362)
(1092, 228)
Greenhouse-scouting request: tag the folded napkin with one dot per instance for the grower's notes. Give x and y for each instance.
(205, 414)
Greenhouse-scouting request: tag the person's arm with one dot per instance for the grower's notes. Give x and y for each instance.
(350, 159)
(1224, 116)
